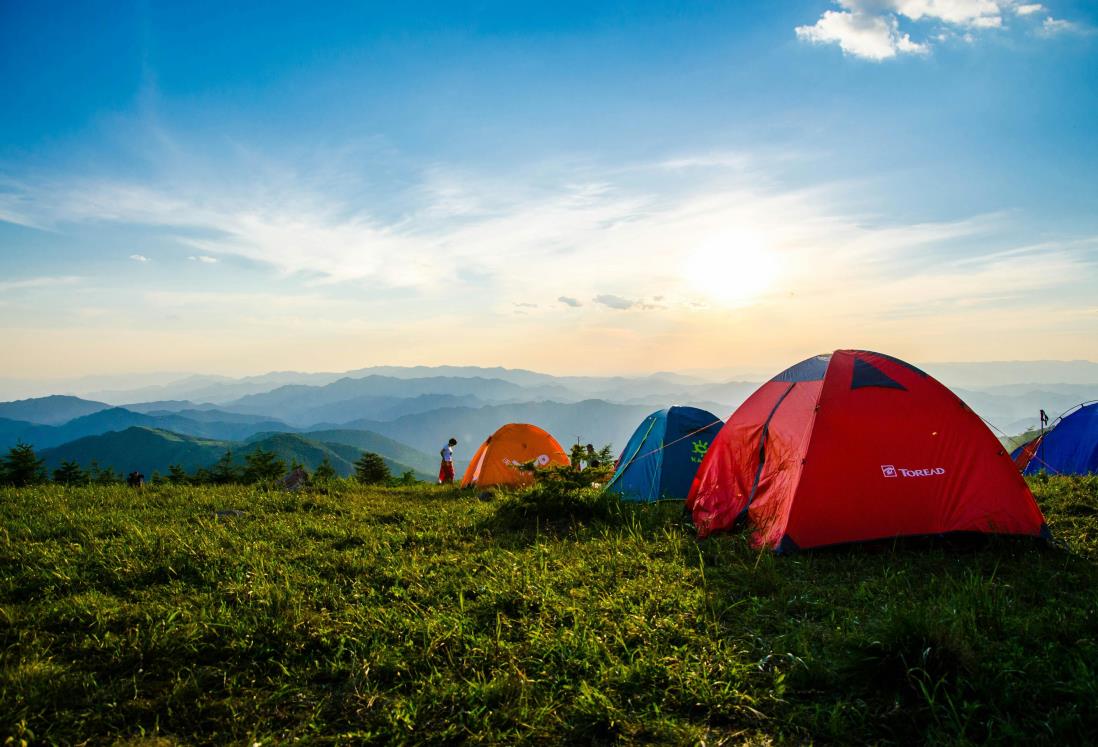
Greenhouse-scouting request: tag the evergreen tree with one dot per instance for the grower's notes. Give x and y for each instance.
(224, 472)
(107, 476)
(157, 478)
(324, 471)
(263, 466)
(69, 473)
(176, 474)
(371, 469)
(22, 466)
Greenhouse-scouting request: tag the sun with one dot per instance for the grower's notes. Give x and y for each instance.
(733, 269)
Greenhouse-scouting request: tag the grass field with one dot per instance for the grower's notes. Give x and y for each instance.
(432, 615)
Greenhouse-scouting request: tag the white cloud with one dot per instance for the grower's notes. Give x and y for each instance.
(569, 301)
(860, 34)
(203, 258)
(976, 13)
(139, 258)
(870, 29)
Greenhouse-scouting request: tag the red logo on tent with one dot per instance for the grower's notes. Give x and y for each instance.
(888, 470)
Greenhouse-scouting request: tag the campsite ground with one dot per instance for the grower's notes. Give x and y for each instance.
(431, 615)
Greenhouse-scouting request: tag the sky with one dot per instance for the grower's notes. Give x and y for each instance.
(587, 188)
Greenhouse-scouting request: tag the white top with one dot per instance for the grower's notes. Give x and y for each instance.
(447, 453)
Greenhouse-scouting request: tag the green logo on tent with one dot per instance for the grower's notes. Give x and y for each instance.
(700, 448)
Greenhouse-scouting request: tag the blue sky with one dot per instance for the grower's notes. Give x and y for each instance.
(574, 187)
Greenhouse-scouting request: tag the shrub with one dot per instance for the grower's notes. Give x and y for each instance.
(406, 479)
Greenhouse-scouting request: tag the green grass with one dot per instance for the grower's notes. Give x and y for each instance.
(432, 615)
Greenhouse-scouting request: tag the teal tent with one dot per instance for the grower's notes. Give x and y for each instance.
(663, 454)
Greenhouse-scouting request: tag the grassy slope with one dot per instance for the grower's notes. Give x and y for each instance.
(351, 454)
(1010, 443)
(140, 448)
(420, 615)
(379, 444)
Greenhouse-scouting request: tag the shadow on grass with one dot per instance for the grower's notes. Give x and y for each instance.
(524, 517)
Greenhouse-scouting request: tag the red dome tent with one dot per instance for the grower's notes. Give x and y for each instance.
(857, 446)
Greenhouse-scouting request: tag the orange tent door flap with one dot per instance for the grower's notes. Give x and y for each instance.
(473, 470)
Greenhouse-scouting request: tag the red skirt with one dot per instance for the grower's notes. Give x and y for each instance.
(446, 473)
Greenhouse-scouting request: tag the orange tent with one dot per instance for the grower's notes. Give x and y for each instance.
(513, 444)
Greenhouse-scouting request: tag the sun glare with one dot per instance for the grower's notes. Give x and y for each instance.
(732, 270)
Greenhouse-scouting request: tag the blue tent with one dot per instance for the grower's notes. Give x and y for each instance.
(1071, 447)
(663, 454)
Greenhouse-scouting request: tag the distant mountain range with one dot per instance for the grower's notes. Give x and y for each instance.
(123, 389)
(590, 421)
(406, 414)
(203, 424)
(149, 450)
(52, 410)
(372, 396)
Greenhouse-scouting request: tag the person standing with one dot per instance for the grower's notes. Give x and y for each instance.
(446, 471)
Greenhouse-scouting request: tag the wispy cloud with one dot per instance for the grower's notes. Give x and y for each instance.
(39, 282)
(139, 258)
(493, 245)
(1055, 26)
(614, 302)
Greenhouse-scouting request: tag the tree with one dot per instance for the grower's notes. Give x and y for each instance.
(224, 472)
(176, 474)
(107, 476)
(324, 471)
(262, 466)
(22, 466)
(70, 473)
(371, 469)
